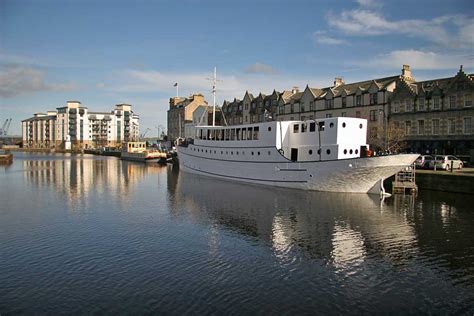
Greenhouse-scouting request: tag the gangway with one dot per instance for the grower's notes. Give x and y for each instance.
(405, 181)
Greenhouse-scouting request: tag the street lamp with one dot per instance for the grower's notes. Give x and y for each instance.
(385, 123)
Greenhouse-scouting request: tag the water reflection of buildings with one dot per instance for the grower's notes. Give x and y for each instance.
(77, 177)
(339, 228)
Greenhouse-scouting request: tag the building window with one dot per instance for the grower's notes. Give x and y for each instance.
(328, 115)
(302, 108)
(408, 105)
(281, 109)
(358, 114)
(421, 104)
(344, 102)
(467, 129)
(292, 108)
(436, 103)
(329, 104)
(407, 127)
(343, 114)
(421, 127)
(435, 126)
(396, 106)
(451, 126)
(373, 115)
(467, 100)
(296, 128)
(452, 101)
(311, 106)
(373, 98)
(358, 100)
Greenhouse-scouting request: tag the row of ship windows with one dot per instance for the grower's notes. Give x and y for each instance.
(310, 152)
(312, 126)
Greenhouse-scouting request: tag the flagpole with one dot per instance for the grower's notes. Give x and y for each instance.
(214, 95)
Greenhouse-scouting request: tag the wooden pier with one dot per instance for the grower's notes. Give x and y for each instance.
(405, 181)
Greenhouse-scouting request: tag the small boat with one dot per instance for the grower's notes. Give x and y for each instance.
(137, 151)
(6, 158)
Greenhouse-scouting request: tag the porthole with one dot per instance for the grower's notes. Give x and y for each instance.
(310, 152)
(328, 151)
(231, 152)
(258, 153)
(269, 153)
(237, 153)
(350, 151)
(222, 152)
(252, 153)
(214, 151)
(269, 128)
(319, 151)
(345, 151)
(226, 152)
(357, 151)
(331, 125)
(360, 125)
(344, 124)
(206, 151)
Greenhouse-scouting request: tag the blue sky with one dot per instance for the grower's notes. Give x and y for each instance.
(107, 52)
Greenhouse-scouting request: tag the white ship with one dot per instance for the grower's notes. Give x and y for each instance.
(324, 155)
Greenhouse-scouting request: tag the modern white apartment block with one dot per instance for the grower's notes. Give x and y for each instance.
(75, 127)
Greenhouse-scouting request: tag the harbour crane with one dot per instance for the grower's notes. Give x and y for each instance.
(144, 133)
(5, 127)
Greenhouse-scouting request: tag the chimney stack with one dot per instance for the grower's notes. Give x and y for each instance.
(338, 82)
(406, 72)
(295, 90)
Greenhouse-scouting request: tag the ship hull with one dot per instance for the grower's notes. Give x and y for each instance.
(357, 175)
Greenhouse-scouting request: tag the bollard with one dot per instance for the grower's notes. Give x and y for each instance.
(452, 163)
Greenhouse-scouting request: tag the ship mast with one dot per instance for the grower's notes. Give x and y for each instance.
(214, 98)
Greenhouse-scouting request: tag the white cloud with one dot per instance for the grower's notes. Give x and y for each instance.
(418, 60)
(259, 68)
(16, 80)
(228, 87)
(369, 3)
(321, 38)
(366, 22)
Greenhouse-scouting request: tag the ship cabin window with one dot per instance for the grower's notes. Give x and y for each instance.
(244, 133)
(296, 128)
(255, 132)
(321, 126)
(227, 134)
(232, 134)
(249, 133)
(304, 128)
(238, 133)
(208, 134)
(312, 126)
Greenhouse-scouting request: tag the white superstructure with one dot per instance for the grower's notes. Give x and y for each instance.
(324, 155)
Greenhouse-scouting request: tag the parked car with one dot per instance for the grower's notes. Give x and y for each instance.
(444, 162)
(423, 162)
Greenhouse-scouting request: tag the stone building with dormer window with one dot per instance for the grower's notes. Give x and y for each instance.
(436, 115)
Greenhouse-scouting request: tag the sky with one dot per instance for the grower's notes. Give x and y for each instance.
(103, 53)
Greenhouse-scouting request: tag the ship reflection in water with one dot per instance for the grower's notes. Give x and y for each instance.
(100, 235)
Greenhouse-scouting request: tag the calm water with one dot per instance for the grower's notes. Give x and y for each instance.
(85, 234)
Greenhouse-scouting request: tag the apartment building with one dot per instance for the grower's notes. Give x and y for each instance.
(180, 113)
(73, 126)
(436, 115)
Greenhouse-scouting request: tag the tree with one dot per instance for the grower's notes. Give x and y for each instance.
(391, 140)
